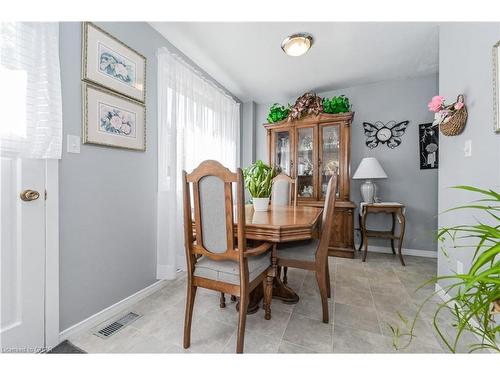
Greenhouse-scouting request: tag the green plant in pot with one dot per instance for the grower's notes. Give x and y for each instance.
(337, 104)
(277, 113)
(259, 181)
(472, 299)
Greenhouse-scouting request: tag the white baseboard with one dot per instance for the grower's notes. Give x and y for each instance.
(165, 272)
(446, 297)
(412, 252)
(110, 311)
(441, 293)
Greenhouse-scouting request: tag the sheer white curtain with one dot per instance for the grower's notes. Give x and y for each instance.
(196, 121)
(30, 101)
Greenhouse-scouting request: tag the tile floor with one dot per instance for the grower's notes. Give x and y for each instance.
(366, 300)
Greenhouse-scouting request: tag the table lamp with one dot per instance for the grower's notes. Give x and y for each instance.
(369, 169)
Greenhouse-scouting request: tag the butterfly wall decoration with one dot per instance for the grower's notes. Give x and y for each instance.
(389, 133)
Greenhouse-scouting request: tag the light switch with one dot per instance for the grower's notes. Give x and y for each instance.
(468, 148)
(460, 267)
(73, 146)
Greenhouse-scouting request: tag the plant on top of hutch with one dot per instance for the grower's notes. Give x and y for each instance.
(277, 113)
(337, 104)
(307, 104)
(310, 149)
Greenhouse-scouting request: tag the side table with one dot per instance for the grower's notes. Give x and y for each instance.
(397, 212)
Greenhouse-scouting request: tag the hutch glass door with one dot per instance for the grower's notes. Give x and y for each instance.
(305, 163)
(282, 151)
(330, 156)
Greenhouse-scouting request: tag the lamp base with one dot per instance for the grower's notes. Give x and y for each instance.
(368, 191)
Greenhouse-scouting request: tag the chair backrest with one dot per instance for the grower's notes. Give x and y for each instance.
(210, 188)
(283, 191)
(327, 220)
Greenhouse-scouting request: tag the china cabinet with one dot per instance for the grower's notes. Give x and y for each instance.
(311, 150)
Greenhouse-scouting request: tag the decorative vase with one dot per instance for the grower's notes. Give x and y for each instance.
(260, 204)
(368, 191)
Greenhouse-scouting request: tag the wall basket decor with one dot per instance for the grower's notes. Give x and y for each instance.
(451, 118)
(389, 133)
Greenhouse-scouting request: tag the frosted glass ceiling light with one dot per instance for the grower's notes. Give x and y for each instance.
(297, 44)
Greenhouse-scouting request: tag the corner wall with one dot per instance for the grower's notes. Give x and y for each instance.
(465, 65)
(108, 196)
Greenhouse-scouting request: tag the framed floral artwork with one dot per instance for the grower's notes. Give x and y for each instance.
(112, 64)
(114, 120)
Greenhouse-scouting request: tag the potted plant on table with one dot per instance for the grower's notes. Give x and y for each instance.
(259, 180)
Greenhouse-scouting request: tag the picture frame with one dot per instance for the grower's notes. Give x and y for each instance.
(110, 119)
(428, 137)
(496, 87)
(108, 62)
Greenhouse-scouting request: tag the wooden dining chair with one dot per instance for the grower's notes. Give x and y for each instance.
(284, 193)
(312, 255)
(217, 259)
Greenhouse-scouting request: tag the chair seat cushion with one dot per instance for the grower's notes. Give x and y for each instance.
(229, 271)
(300, 250)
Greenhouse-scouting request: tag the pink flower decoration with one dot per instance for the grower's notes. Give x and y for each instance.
(436, 104)
(458, 105)
(116, 122)
(126, 129)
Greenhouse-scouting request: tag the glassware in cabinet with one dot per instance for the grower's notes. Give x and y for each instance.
(330, 156)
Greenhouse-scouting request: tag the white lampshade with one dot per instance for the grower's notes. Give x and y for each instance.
(368, 169)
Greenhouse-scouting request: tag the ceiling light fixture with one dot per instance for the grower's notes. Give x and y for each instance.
(297, 44)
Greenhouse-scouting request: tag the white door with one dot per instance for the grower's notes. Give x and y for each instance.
(22, 237)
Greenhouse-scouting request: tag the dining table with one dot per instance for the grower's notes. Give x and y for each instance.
(280, 224)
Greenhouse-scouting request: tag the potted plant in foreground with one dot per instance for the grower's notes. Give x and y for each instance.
(472, 299)
(259, 181)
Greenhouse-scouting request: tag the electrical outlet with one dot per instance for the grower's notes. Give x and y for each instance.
(460, 267)
(468, 148)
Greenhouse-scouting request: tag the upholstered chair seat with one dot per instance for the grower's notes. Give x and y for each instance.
(300, 250)
(228, 271)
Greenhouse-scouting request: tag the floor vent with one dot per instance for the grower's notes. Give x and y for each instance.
(117, 325)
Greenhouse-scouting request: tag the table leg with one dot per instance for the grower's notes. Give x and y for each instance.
(283, 292)
(392, 232)
(363, 229)
(280, 292)
(402, 220)
(256, 296)
(360, 233)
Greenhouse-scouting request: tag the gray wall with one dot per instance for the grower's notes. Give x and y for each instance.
(108, 195)
(395, 100)
(465, 64)
(247, 134)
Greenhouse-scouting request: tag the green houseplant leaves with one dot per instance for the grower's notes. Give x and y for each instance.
(259, 179)
(472, 299)
(277, 113)
(337, 104)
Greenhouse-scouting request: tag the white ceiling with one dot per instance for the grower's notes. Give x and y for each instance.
(246, 58)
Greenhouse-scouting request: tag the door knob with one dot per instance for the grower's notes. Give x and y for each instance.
(29, 195)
